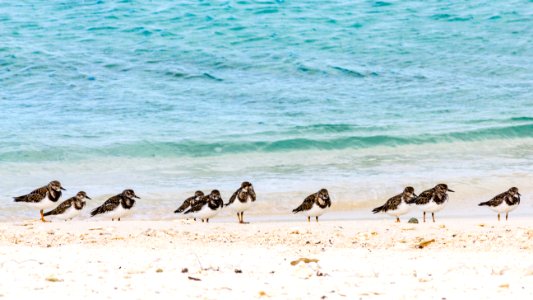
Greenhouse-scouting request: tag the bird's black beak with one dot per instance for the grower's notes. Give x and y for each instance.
(415, 195)
(519, 194)
(451, 191)
(62, 188)
(88, 197)
(135, 196)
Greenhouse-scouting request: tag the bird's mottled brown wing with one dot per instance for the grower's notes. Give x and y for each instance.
(185, 204)
(393, 203)
(61, 208)
(109, 205)
(497, 200)
(33, 197)
(198, 205)
(307, 204)
(423, 198)
(233, 197)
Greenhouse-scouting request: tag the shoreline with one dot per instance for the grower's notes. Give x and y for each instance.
(523, 211)
(354, 199)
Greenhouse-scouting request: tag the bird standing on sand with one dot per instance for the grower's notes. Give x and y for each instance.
(245, 197)
(504, 202)
(397, 205)
(314, 205)
(117, 206)
(189, 202)
(42, 198)
(70, 208)
(208, 207)
(432, 200)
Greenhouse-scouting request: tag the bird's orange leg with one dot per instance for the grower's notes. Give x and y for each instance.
(42, 217)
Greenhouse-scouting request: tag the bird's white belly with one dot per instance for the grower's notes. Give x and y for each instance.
(315, 211)
(118, 212)
(70, 213)
(205, 213)
(432, 206)
(239, 206)
(402, 209)
(43, 204)
(503, 208)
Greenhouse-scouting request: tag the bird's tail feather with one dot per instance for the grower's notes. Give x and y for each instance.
(377, 209)
(95, 211)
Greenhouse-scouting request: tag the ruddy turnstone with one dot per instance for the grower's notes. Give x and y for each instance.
(42, 198)
(314, 205)
(117, 206)
(504, 202)
(70, 208)
(397, 205)
(208, 206)
(245, 197)
(190, 202)
(432, 200)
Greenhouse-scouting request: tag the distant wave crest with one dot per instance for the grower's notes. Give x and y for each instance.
(198, 149)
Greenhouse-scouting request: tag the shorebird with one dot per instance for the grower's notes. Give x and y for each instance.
(70, 208)
(504, 202)
(245, 197)
(189, 202)
(432, 200)
(314, 205)
(397, 205)
(208, 206)
(117, 206)
(42, 198)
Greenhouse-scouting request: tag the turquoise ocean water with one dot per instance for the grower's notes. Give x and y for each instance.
(360, 97)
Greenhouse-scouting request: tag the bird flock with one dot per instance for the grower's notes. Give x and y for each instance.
(204, 207)
(434, 200)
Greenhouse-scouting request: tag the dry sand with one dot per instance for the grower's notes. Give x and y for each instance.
(453, 259)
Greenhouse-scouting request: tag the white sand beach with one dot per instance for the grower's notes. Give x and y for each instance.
(161, 99)
(455, 258)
